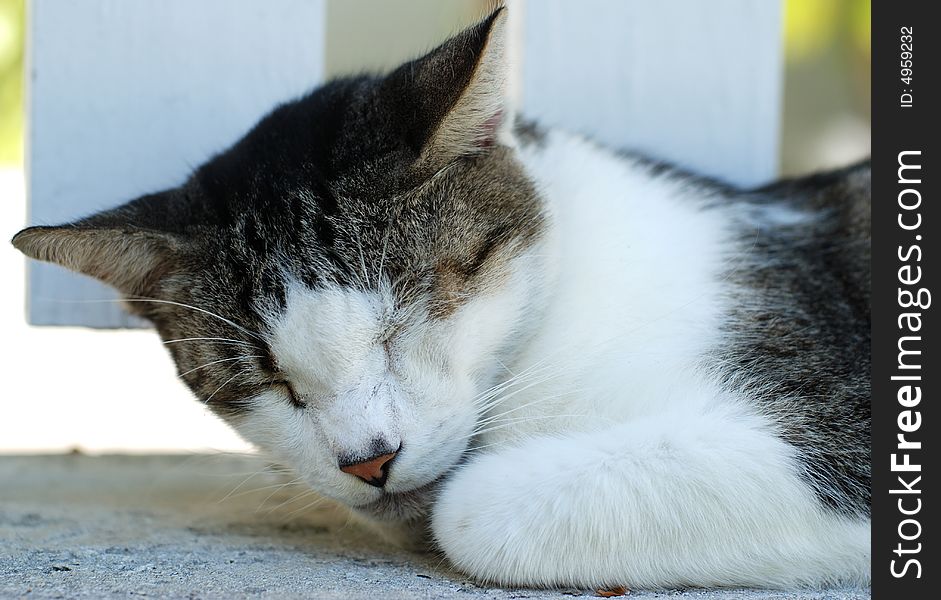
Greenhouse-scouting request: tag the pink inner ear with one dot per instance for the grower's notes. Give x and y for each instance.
(488, 130)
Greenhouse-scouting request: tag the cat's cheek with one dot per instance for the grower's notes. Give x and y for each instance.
(485, 522)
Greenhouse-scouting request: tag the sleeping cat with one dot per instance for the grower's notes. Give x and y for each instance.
(564, 365)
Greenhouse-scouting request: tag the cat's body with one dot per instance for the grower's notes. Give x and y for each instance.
(572, 367)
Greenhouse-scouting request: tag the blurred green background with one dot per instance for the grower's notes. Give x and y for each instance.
(11, 82)
(827, 86)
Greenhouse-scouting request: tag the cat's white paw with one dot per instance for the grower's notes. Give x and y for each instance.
(477, 522)
(496, 520)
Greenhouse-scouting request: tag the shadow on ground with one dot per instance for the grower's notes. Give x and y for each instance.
(213, 526)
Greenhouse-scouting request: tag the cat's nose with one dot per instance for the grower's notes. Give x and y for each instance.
(373, 470)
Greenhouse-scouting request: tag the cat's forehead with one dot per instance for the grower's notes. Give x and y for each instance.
(317, 233)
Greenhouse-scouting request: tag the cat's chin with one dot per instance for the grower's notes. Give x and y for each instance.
(400, 507)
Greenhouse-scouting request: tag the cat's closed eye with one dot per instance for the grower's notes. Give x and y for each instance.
(288, 389)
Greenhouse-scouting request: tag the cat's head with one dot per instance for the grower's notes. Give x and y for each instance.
(342, 284)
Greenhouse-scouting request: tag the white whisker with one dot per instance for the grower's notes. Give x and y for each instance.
(521, 420)
(215, 362)
(362, 262)
(227, 382)
(170, 302)
(211, 339)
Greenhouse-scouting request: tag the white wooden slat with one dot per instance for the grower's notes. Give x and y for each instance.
(125, 97)
(691, 81)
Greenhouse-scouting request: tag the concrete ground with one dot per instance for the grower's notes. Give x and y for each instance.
(215, 526)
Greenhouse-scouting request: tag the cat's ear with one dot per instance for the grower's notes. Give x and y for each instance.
(118, 246)
(456, 94)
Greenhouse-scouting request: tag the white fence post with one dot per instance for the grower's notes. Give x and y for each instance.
(125, 97)
(694, 82)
